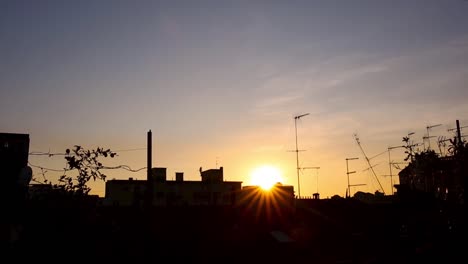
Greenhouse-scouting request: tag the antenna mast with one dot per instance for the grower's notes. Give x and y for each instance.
(348, 190)
(429, 137)
(368, 162)
(297, 153)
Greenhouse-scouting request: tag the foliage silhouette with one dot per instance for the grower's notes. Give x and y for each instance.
(443, 176)
(88, 164)
(409, 149)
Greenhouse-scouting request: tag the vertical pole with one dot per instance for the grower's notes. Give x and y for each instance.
(458, 132)
(297, 160)
(149, 178)
(297, 153)
(149, 156)
(347, 173)
(390, 167)
(428, 139)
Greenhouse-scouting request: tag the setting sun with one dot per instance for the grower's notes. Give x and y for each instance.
(266, 177)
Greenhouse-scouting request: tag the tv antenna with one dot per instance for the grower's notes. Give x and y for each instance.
(458, 129)
(390, 163)
(348, 190)
(297, 153)
(368, 162)
(428, 128)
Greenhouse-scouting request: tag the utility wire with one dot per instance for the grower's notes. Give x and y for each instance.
(125, 167)
(134, 149)
(378, 154)
(43, 153)
(44, 170)
(47, 169)
(40, 153)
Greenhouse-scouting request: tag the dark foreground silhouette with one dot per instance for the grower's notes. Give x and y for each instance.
(317, 231)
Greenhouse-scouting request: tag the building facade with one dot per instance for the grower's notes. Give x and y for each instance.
(212, 190)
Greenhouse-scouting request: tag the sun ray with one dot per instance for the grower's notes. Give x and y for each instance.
(266, 176)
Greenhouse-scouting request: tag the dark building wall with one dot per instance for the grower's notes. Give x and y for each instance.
(443, 180)
(159, 174)
(179, 176)
(173, 193)
(212, 175)
(14, 151)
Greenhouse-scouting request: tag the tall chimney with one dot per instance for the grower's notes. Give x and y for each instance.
(149, 157)
(179, 176)
(458, 133)
(149, 176)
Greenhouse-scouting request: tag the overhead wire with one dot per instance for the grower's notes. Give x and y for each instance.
(45, 170)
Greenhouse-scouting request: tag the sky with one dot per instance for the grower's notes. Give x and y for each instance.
(219, 84)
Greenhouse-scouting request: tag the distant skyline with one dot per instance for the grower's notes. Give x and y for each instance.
(219, 82)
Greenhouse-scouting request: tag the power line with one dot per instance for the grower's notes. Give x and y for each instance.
(49, 169)
(48, 153)
(40, 153)
(375, 156)
(125, 167)
(134, 149)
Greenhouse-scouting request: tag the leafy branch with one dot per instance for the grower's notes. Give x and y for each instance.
(88, 165)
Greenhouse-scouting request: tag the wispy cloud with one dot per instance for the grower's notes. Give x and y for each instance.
(384, 96)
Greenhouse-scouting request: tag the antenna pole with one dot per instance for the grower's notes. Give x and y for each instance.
(297, 161)
(368, 162)
(348, 191)
(428, 137)
(390, 165)
(297, 154)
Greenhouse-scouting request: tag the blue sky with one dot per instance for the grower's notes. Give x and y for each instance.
(222, 80)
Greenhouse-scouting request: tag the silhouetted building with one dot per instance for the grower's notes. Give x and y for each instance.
(14, 170)
(442, 180)
(158, 174)
(39, 191)
(212, 175)
(211, 190)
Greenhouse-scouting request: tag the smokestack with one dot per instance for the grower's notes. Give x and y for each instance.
(179, 176)
(458, 132)
(149, 156)
(149, 178)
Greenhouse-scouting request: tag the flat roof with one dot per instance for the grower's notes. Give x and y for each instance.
(170, 182)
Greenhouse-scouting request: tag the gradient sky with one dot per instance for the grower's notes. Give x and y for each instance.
(219, 82)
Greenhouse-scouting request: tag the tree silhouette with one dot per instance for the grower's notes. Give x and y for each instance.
(409, 149)
(88, 165)
(444, 176)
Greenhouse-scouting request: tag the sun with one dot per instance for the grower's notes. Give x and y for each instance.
(266, 176)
